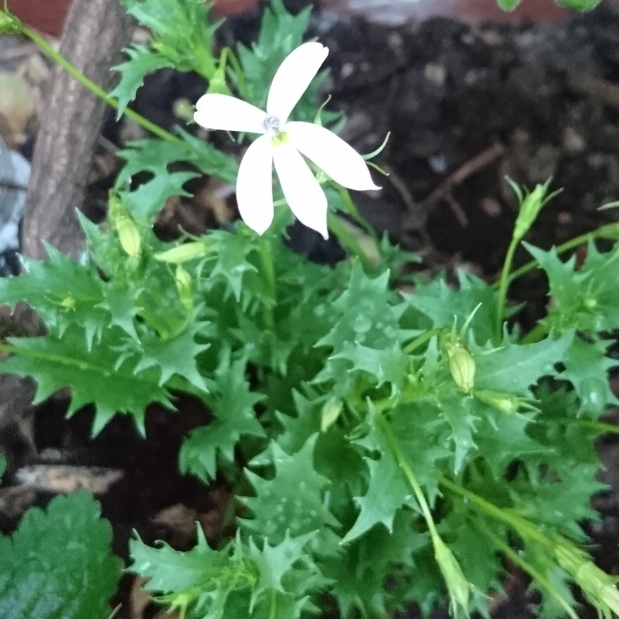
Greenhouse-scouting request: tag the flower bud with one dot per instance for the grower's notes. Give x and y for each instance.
(9, 24)
(503, 402)
(183, 253)
(597, 585)
(458, 587)
(129, 236)
(330, 413)
(529, 210)
(184, 286)
(183, 109)
(126, 228)
(462, 366)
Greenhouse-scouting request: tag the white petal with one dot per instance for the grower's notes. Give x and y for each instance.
(215, 111)
(331, 154)
(302, 191)
(254, 185)
(293, 77)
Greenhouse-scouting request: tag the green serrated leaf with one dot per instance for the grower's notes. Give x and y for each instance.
(273, 562)
(506, 438)
(172, 570)
(230, 257)
(182, 32)
(585, 299)
(441, 304)
(388, 365)
(232, 403)
(387, 492)
(293, 500)
(280, 33)
(175, 356)
(56, 362)
(387, 488)
(58, 563)
(2, 466)
(61, 290)
(141, 62)
(146, 202)
(513, 368)
(155, 156)
(587, 367)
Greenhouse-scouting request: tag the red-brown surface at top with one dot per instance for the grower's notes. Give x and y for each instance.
(48, 15)
(472, 11)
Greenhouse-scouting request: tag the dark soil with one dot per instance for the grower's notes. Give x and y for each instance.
(465, 107)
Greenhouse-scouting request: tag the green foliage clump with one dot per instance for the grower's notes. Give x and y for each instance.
(58, 563)
(385, 447)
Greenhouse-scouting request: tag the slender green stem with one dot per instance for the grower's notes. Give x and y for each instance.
(522, 526)
(422, 339)
(348, 241)
(535, 334)
(503, 284)
(95, 88)
(273, 611)
(353, 211)
(241, 82)
(410, 476)
(527, 567)
(608, 231)
(268, 270)
(609, 428)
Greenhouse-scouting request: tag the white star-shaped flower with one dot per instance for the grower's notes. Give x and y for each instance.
(284, 143)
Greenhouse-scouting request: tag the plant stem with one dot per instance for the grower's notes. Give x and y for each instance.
(410, 475)
(348, 241)
(95, 88)
(609, 428)
(535, 334)
(266, 258)
(608, 231)
(353, 211)
(273, 611)
(503, 284)
(241, 82)
(527, 567)
(421, 339)
(522, 526)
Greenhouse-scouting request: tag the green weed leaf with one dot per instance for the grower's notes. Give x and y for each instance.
(293, 500)
(58, 563)
(584, 299)
(232, 404)
(514, 368)
(141, 62)
(55, 362)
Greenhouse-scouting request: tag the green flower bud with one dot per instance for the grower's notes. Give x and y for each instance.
(462, 366)
(330, 413)
(124, 225)
(597, 585)
(531, 203)
(458, 587)
(68, 303)
(9, 24)
(183, 109)
(503, 402)
(129, 236)
(529, 210)
(590, 303)
(184, 286)
(183, 253)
